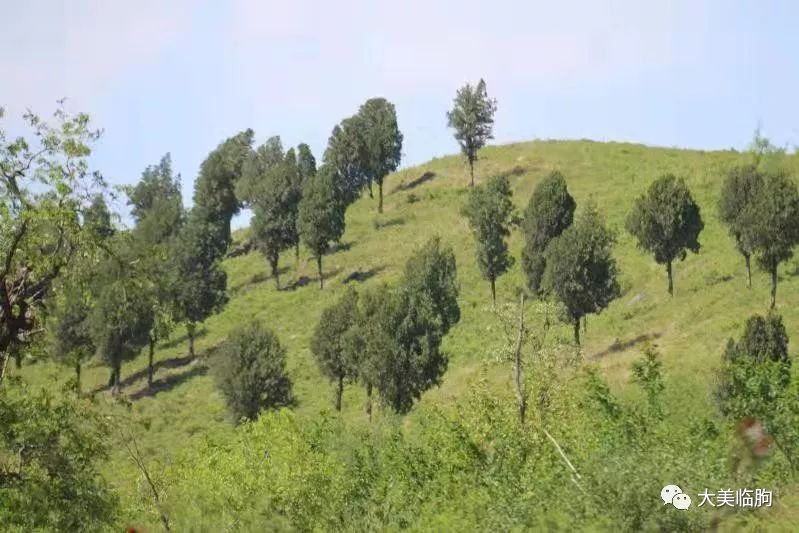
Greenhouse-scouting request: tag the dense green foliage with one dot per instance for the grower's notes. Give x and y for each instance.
(321, 216)
(472, 118)
(738, 195)
(489, 211)
(250, 370)
(380, 143)
(580, 268)
(344, 161)
(666, 222)
(549, 212)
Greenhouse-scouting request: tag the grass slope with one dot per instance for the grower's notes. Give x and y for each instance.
(711, 301)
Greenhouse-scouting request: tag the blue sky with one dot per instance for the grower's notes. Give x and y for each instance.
(180, 76)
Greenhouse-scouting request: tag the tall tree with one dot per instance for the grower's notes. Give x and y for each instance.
(549, 212)
(666, 222)
(270, 186)
(472, 118)
(215, 188)
(306, 163)
(343, 158)
(68, 322)
(97, 218)
(43, 185)
(321, 216)
(739, 193)
(328, 343)
(157, 207)
(772, 224)
(581, 271)
(201, 282)
(381, 143)
(489, 211)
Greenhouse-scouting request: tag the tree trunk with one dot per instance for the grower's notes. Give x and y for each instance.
(494, 292)
(275, 272)
(517, 366)
(748, 272)
(190, 331)
(380, 196)
(671, 279)
(297, 253)
(585, 324)
(150, 364)
(117, 374)
(77, 378)
(319, 269)
(773, 286)
(471, 172)
(369, 400)
(339, 392)
(577, 331)
(3, 363)
(111, 378)
(371, 195)
(18, 356)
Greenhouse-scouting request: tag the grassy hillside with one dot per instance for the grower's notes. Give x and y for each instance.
(710, 304)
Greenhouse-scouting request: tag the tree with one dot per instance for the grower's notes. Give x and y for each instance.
(70, 311)
(344, 160)
(771, 224)
(666, 222)
(215, 188)
(201, 282)
(489, 211)
(581, 271)
(328, 343)
(270, 186)
(412, 320)
(381, 142)
(321, 216)
(472, 118)
(250, 370)
(739, 192)
(44, 184)
(306, 163)
(157, 207)
(97, 219)
(755, 370)
(549, 212)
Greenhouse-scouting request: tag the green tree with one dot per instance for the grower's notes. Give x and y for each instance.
(771, 224)
(306, 163)
(68, 322)
(581, 271)
(343, 158)
(54, 449)
(321, 216)
(250, 370)
(45, 182)
(472, 118)
(549, 212)
(489, 211)
(381, 143)
(414, 318)
(756, 369)
(666, 222)
(739, 192)
(200, 282)
(215, 188)
(328, 343)
(270, 186)
(97, 219)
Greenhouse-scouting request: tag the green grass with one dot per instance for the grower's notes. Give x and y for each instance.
(710, 303)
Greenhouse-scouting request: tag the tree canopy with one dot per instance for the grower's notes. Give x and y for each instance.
(381, 143)
(666, 222)
(472, 118)
(321, 216)
(739, 193)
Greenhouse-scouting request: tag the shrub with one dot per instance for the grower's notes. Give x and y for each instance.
(250, 369)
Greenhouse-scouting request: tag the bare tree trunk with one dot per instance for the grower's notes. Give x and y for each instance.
(319, 269)
(585, 324)
(297, 253)
(671, 280)
(380, 196)
(190, 332)
(371, 196)
(369, 400)
(275, 272)
(577, 331)
(471, 172)
(494, 291)
(517, 366)
(773, 286)
(117, 374)
(150, 363)
(748, 271)
(77, 378)
(339, 392)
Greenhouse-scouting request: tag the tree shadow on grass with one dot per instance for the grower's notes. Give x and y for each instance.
(130, 379)
(424, 178)
(516, 171)
(171, 343)
(362, 275)
(340, 247)
(380, 224)
(256, 279)
(168, 383)
(619, 346)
